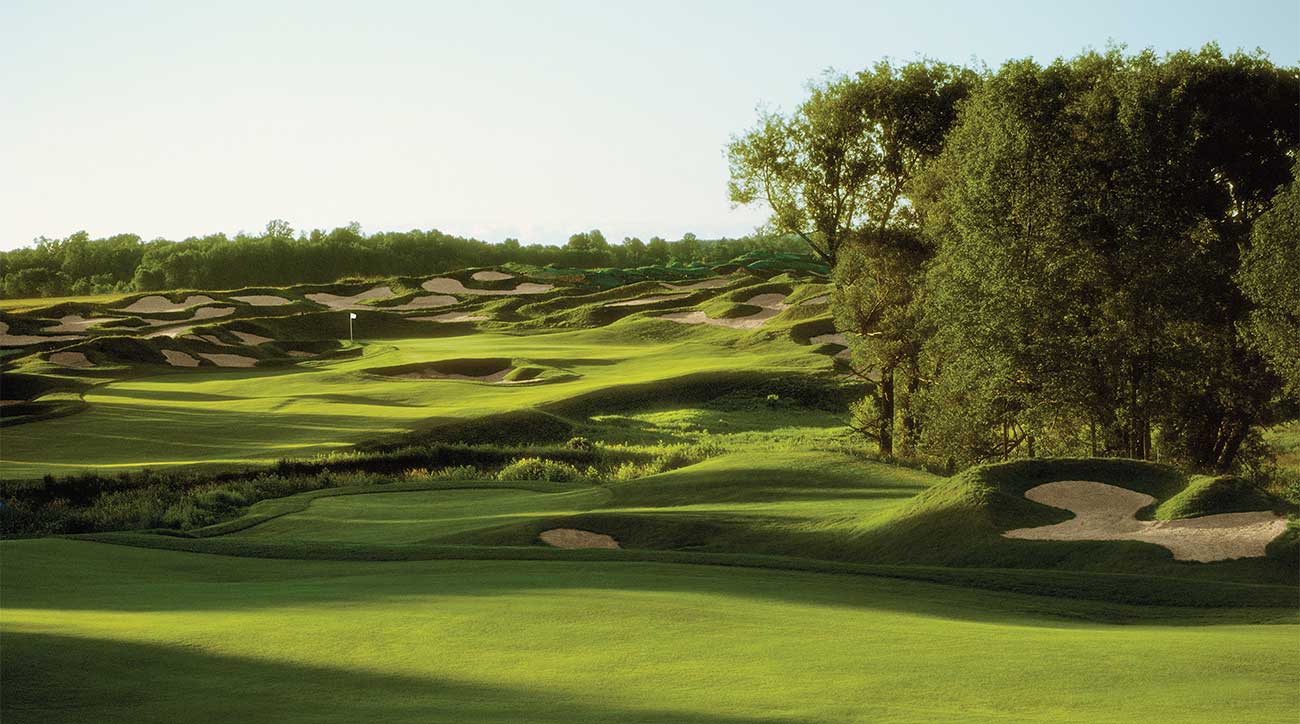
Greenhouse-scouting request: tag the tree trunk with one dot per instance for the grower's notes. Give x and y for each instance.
(886, 391)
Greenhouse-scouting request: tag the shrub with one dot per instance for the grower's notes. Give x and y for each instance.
(580, 443)
(539, 469)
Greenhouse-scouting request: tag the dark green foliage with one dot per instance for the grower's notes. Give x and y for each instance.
(1270, 277)
(124, 263)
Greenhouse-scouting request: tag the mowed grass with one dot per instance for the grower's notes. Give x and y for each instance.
(94, 632)
(257, 416)
(414, 517)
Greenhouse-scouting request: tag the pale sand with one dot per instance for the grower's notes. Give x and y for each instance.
(262, 300)
(299, 353)
(75, 323)
(1106, 512)
(334, 301)
(574, 538)
(770, 306)
(443, 285)
(155, 304)
(71, 359)
(491, 276)
(210, 339)
(714, 283)
(451, 317)
(228, 360)
(175, 328)
(823, 299)
(19, 340)
(652, 299)
(426, 302)
(176, 358)
(250, 338)
(836, 338)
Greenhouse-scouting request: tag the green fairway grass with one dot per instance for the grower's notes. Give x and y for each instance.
(328, 540)
(242, 416)
(105, 633)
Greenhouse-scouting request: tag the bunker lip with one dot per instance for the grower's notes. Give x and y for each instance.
(487, 275)
(229, 360)
(75, 323)
(574, 538)
(474, 370)
(261, 300)
(156, 303)
(447, 285)
(71, 359)
(176, 358)
(769, 305)
(652, 299)
(713, 283)
(335, 301)
(451, 317)
(1108, 512)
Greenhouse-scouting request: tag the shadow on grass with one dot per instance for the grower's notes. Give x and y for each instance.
(54, 678)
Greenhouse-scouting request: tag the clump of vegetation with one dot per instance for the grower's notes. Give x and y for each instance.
(540, 469)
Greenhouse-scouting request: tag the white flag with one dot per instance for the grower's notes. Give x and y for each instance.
(352, 315)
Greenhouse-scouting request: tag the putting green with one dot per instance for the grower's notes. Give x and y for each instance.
(102, 633)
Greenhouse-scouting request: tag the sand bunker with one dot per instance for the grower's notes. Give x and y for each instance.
(176, 358)
(20, 340)
(262, 300)
(451, 317)
(299, 353)
(155, 304)
(823, 299)
(71, 359)
(491, 276)
(574, 538)
(427, 302)
(836, 338)
(443, 285)
(334, 301)
(75, 323)
(228, 360)
(1107, 512)
(250, 338)
(175, 328)
(770, 306)
(706, 284)
(210, 339)
(432, 374)
(652, 299)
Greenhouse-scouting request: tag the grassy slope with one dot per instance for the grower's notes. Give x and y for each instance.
(114, 634)
(237, 416)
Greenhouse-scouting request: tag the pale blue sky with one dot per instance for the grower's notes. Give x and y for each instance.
(487, 119)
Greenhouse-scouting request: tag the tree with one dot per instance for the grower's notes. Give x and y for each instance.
(1270, 278)
(841, 162)
(657, 249)
(1088, 226)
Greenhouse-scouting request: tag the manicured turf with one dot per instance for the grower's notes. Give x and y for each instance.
(239, 416)
(104, 633)
(770, 572)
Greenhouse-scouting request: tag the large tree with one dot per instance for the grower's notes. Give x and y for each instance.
(1089, 223)
(840, 163)
(1270, 277)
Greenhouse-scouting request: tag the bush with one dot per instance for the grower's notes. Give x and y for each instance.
(539, 469)
(580, 443)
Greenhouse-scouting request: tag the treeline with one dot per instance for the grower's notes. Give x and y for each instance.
(1096, 256)
(280, 256)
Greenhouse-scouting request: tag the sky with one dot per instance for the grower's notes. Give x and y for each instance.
(531, 120)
